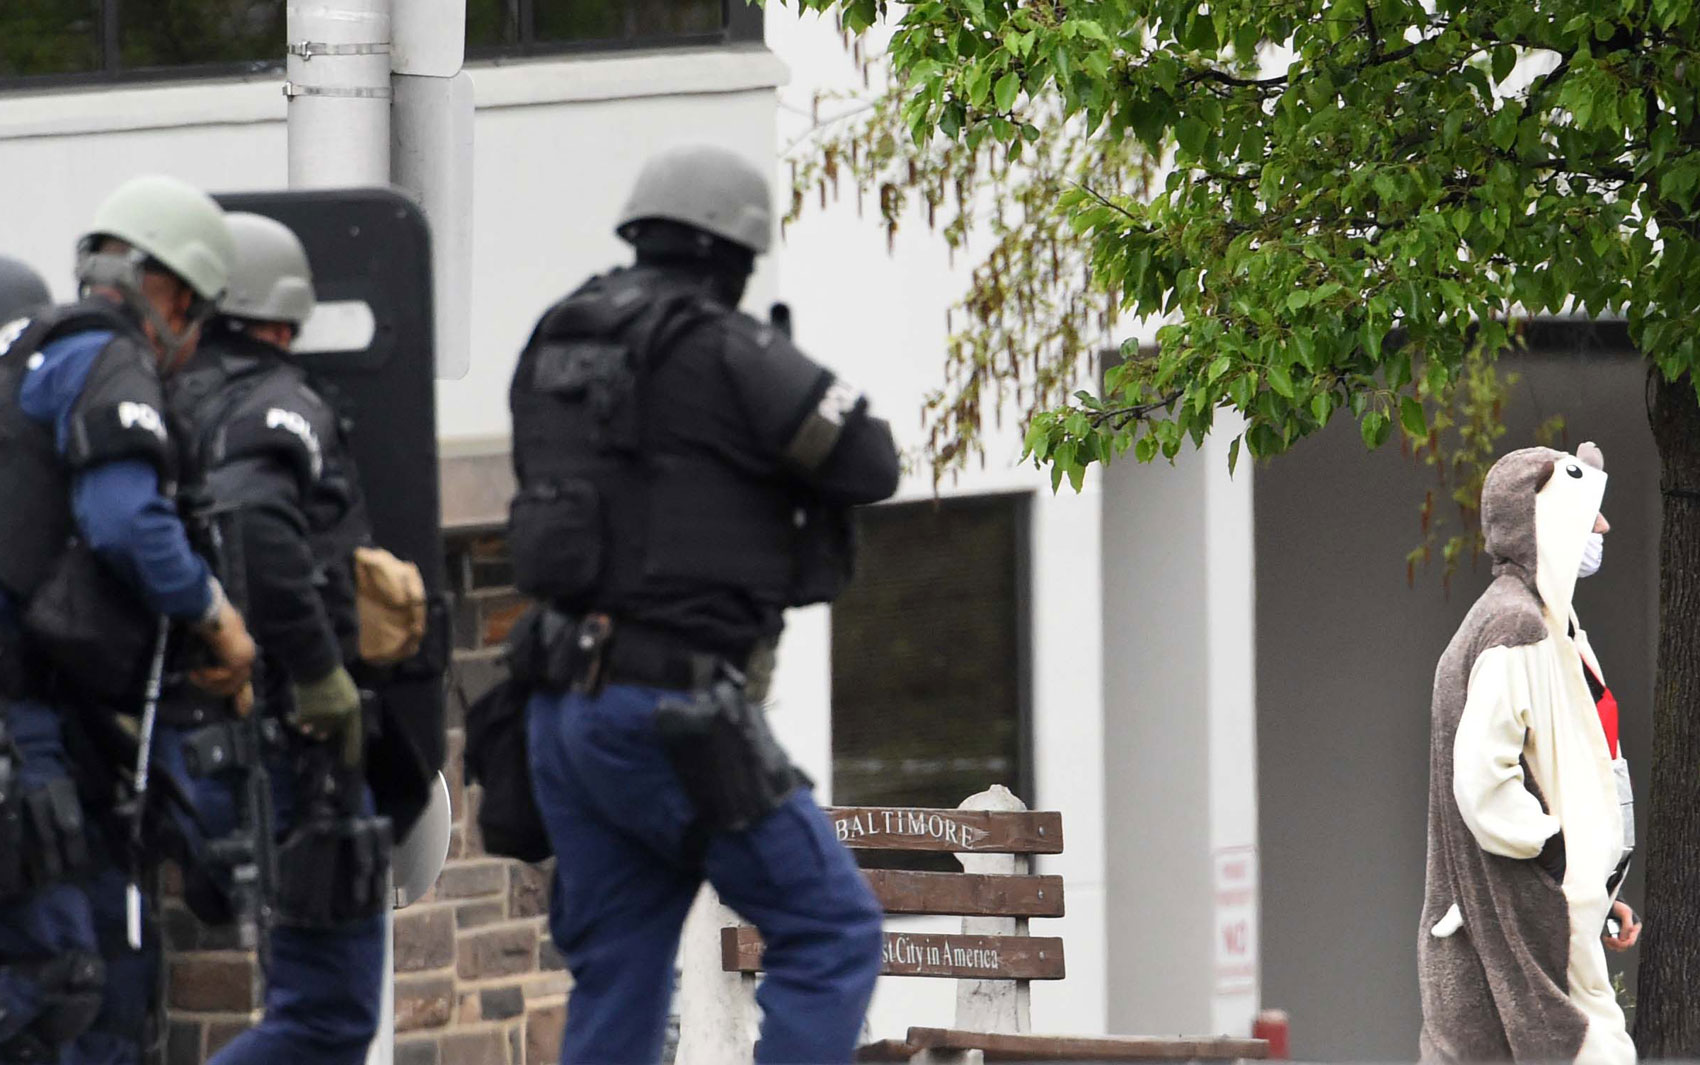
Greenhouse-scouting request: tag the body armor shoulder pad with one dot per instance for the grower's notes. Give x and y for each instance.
(798, 407)
(24, 337)
(601, 307)
(282, 419)
(120, 414)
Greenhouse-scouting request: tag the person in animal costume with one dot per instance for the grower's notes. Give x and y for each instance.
(1530, 826)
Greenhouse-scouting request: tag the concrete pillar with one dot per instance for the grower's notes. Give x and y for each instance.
(1180, 744)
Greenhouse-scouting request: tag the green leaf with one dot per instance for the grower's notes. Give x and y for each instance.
(1091, 31)
(1375, 428)
(1233, 455)
(1008, 86)
(1504, 60)
(1411, 416)
(1503, 128)
(1298, 299)
(1192, 134)
(1281, 381)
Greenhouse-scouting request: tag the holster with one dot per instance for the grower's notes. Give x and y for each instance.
(542, 651)
(732, 767)
(43, 832)
(333, 870)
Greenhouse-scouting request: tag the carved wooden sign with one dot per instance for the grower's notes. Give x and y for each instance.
(883, 828)
(965, 894)
(921, 954)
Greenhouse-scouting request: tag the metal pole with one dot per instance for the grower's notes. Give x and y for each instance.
(339, 93)
(431, 158)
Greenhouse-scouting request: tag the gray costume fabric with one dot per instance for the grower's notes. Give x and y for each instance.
(1524, 823)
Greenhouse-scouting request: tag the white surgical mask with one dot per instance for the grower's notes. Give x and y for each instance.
(1593, 553)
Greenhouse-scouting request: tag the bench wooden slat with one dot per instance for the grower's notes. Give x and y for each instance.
(925, 954)
(891, 828)
(1004, 1047)
(885, 1050)
(967, 894)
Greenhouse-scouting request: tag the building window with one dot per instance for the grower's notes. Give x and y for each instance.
(119, 38)
(930, 678)
(520, 27)
(83, 40)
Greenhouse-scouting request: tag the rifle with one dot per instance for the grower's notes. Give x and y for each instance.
(238, 746)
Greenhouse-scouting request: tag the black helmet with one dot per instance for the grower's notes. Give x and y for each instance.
(21, 290)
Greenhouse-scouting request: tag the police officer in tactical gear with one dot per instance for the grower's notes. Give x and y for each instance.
(267, 443)
(92, 552)
(685, 475)
(21, 290)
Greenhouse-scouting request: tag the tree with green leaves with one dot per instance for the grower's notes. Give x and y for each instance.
(1362, 199)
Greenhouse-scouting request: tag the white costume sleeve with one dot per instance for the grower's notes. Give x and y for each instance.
(1487, 772)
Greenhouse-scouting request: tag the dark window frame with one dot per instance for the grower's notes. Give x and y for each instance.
(1021, 503)
(742, 23)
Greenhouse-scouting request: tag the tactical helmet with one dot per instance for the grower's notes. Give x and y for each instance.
(21, 290)
(271, 280)
(706, 188)
(176, 225)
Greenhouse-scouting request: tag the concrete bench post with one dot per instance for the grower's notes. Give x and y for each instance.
(718, 1018)
(994, 1005)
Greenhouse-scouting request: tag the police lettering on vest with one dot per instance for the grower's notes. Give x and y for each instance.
(141, 416)
(289, 421)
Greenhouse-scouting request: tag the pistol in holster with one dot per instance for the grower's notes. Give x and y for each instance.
(726, 756)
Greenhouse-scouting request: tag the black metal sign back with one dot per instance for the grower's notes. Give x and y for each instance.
(373, 246)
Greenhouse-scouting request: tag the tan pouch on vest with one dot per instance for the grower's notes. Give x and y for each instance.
(391, 595)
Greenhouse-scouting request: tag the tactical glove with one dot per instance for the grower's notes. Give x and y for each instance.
(330, 707)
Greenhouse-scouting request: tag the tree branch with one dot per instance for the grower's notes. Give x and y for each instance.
(1122, 415)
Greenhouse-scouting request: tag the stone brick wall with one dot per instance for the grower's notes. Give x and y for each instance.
(477, 980)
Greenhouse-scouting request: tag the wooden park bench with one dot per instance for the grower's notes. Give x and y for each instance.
(994, 837)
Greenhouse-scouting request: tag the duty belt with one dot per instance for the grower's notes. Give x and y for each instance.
(606, 652)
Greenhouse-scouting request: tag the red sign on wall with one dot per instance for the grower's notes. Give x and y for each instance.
(1235, 879)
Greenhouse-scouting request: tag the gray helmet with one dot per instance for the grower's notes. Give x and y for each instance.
(272, 280)
(173, 223)
(21, 290)
(706, 188)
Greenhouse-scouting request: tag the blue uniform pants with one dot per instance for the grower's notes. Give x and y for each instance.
(56, 919)
(324, 987)
(619, 820)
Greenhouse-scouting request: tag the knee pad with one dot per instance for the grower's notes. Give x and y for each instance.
(70, 987)
(26, 1049)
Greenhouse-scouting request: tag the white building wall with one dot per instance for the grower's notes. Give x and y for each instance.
(1180, 719)
(879, 319)
(558, 143)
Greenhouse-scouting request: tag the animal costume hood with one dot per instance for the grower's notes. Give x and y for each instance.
(1525, 827)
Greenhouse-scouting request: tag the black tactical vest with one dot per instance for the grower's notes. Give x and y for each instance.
(609, 514)
(240, 396)
(36, 522)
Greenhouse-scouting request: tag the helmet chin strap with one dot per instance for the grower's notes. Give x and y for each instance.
(122, 273)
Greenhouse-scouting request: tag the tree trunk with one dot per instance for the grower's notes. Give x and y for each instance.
(1667, 1013)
